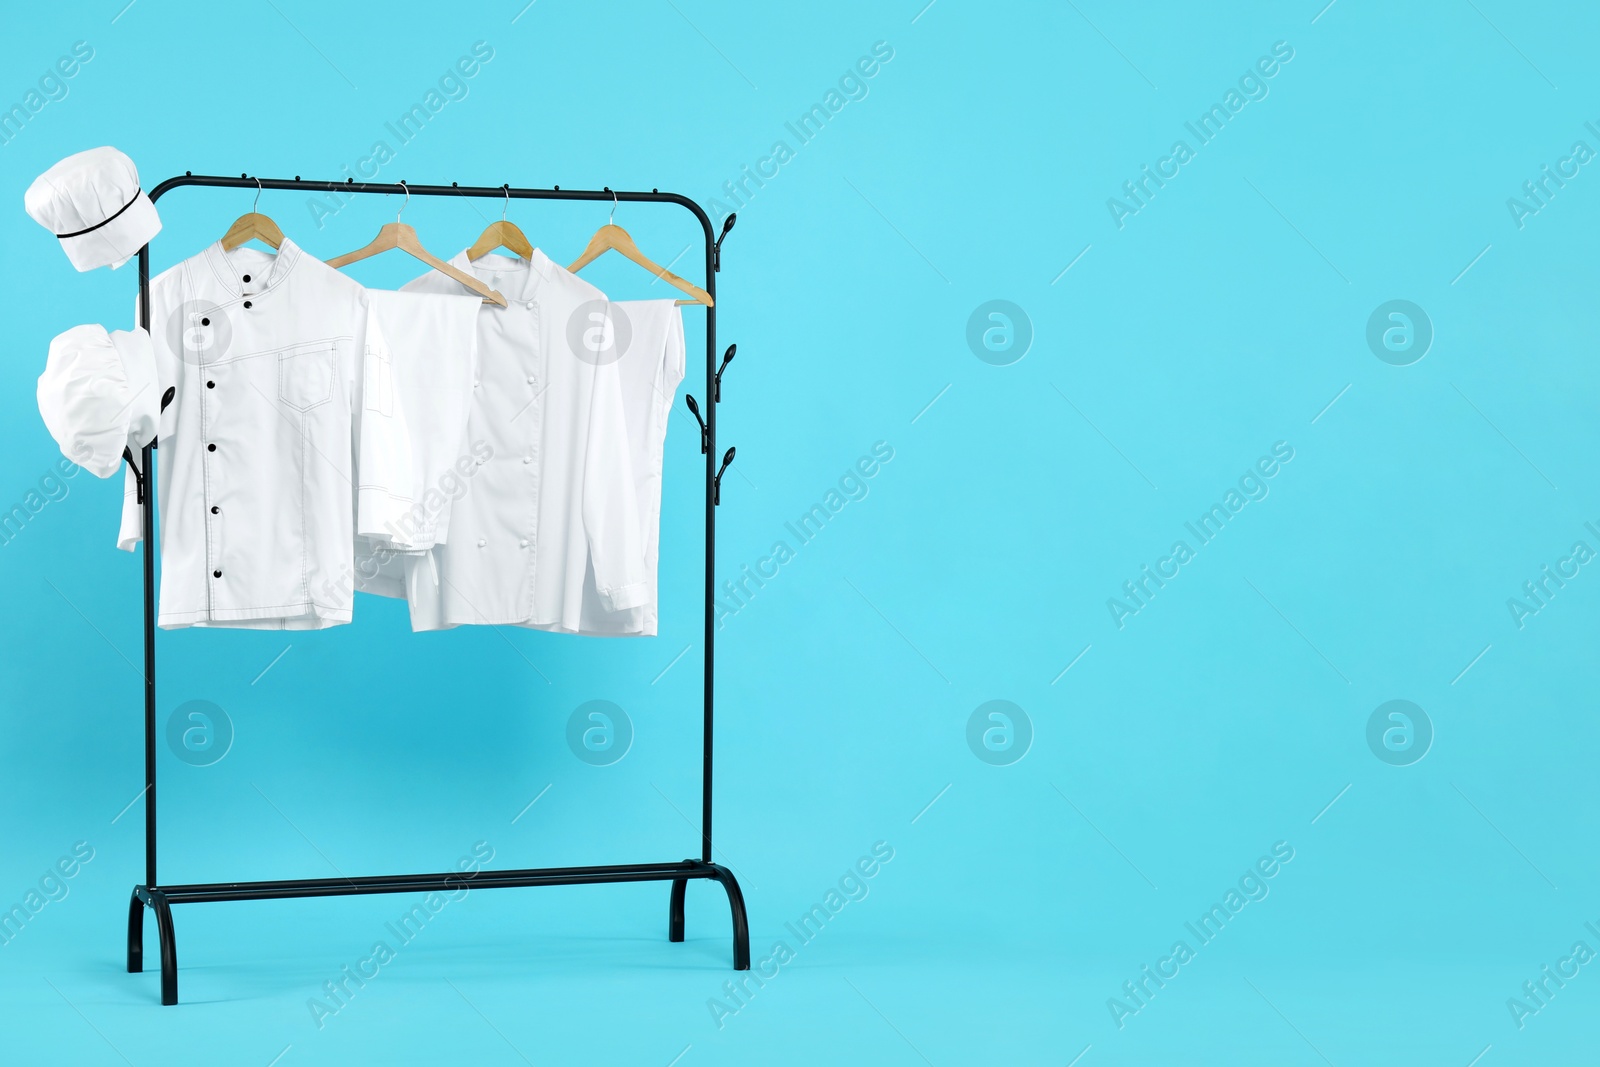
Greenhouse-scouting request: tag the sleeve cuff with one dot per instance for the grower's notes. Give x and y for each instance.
(626, 596)
(388, 521)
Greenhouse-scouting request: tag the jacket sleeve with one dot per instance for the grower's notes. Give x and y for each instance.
(383, 462)
(610, 501)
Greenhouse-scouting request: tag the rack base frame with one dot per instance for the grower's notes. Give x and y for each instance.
(159, 898)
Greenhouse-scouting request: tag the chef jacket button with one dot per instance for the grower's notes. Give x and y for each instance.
(247, 303)
(211, 448)
(482, 542)
(532, 379)
(247, 277)
(474, 383)
(527, 459)
(205, 322)
(215, 509)
(523, 542)
(211, 385)
(530, 305)
(216, 574)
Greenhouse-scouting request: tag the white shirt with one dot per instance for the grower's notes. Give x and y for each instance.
(651, 370)
(554, 505)
(261, 494)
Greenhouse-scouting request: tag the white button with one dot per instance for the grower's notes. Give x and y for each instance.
(482, 542)
(523, 542)
(530, 305)
(527, 459)
(474, 383)
(532, 379)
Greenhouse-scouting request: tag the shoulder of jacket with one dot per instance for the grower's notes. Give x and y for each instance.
(165, 277)
(575, 287)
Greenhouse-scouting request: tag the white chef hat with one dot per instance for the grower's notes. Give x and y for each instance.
(92, 201)
(98, 394)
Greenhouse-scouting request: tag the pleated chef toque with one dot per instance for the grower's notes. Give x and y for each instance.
(98, 395)
(92, 202)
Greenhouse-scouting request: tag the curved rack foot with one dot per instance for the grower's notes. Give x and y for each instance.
(136, 932)
(169, 947)
(741, 922)
(675, 909)
(730, 884)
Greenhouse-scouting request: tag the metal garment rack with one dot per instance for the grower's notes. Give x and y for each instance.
(160, 898)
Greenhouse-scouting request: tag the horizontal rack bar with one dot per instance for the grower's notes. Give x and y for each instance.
(449, 881)
(401, 187)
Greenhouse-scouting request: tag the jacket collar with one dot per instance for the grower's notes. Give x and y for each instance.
(266, 276)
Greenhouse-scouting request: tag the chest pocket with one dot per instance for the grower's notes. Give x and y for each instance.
(305, 374)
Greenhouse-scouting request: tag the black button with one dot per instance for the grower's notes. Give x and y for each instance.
(247, 277)
(211, 448)
(215, 509)
(211, 385)
(216, 574)
(205, 322)
(247, 303)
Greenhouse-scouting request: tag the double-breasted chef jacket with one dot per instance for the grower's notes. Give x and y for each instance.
(553, 508)
(283, 442)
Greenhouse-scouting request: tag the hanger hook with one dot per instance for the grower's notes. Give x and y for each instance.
(612, 220)
(407, 202)
(258, 196)
(507, 206)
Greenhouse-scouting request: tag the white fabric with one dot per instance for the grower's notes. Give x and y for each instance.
(651, 371)
(433, 343)
(257, 466)
(98, 191)
(554, 503)
(98, 395)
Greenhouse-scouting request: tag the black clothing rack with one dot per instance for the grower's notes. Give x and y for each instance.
(159, 898)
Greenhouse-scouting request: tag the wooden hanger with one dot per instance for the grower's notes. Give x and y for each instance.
(397, 234)
(251, 226)
(613, 237)
(501, 234)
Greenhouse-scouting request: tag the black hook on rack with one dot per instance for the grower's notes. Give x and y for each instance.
(716, 485)
(727, 358)
(694, 409)
(716, 249)
(127, 450)
(138, 475)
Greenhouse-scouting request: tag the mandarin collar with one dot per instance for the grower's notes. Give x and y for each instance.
(227, 273)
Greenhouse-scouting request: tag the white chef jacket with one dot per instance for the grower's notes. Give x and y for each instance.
(267, 355)
(433, 344)
(554, 504)
(651, 370)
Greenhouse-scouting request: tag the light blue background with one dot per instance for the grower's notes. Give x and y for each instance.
(1230, 713)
